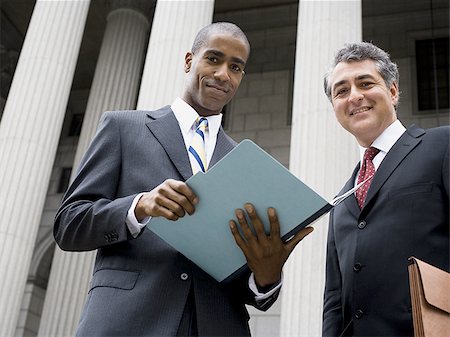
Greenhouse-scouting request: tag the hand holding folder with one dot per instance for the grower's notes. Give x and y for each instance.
(265, 254)
(246, 174)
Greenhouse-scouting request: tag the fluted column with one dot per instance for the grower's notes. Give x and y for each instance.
(114, 87)
(29, 135)
(175, 25)
(322, 154)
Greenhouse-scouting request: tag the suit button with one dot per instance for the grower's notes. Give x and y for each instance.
(357, 267)
(184, 276)
(362, 224)
(359, 313)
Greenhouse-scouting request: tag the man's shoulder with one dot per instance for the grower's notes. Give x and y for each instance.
(433, 142)
(440, 131)
(124, 115)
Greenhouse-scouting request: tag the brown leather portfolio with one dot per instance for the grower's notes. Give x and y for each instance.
(430, 298)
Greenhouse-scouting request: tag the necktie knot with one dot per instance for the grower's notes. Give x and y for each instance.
(201, 123)
(370, 153)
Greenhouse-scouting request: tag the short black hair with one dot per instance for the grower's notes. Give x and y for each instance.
(218, 27)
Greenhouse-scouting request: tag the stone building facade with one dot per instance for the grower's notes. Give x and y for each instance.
(65, 62)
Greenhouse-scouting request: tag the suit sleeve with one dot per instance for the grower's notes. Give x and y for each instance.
(265, 304)
(238, 289)
(332, 309)
(91, 216)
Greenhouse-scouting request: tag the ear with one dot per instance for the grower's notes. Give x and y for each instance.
(187, 62)
(394, 93)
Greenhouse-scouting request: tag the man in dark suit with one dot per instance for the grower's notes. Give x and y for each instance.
(135, 170)
(405, 212)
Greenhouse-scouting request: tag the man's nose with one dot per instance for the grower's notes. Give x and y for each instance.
(355, 95)
(221, 72)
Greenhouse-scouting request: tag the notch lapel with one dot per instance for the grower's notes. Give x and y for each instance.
(224, 144)
(350, 202)
(164, 126)
(406, 143)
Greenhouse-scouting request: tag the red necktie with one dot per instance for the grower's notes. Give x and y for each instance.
(367, 171)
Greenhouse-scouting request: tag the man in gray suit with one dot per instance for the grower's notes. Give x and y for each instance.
(402, 210)
(135, 170)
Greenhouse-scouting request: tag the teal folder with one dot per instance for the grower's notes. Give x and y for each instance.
(246, 174)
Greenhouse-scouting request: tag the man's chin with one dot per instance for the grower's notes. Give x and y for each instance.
(209, 110)
(215, 106)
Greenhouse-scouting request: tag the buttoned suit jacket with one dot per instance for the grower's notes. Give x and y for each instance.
(406, 213)
(140, 286)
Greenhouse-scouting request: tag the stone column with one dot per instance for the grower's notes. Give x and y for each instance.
(175, 25)
(29, 135)
(322, 154)
(114, 87)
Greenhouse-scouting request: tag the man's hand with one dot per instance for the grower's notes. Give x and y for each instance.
(172, 200)
(265, 254)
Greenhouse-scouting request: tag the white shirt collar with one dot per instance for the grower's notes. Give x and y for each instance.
(387, 139)
(186, 117)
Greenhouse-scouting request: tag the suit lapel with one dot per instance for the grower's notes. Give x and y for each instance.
(223, 145)
(406, 143)
(351, 202)
(164, 126)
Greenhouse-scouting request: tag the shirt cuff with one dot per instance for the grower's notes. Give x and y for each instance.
(262, 296)
(134, 226)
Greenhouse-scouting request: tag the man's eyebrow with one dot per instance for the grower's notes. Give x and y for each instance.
(339, 83)
(218, 53)
(364, 76)
(358, 78)
(238, 60)
(215, 52)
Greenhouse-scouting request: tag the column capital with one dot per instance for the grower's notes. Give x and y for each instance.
(144, 7)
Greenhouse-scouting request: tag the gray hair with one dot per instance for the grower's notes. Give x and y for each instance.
(221, 28)
(361, 51)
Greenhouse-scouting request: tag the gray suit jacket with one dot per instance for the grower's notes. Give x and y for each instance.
(406, 213)
(139, 286)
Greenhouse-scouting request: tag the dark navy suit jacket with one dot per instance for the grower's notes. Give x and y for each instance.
(406, 213)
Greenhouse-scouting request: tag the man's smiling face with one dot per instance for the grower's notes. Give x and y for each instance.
(215, 72)
(362, 102)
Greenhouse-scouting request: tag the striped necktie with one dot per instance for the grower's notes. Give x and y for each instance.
(197, 147)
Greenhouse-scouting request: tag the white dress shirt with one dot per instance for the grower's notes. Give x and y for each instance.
(384, 143)
(186, 117)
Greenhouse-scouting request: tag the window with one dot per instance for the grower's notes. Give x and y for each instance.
(432, 74)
